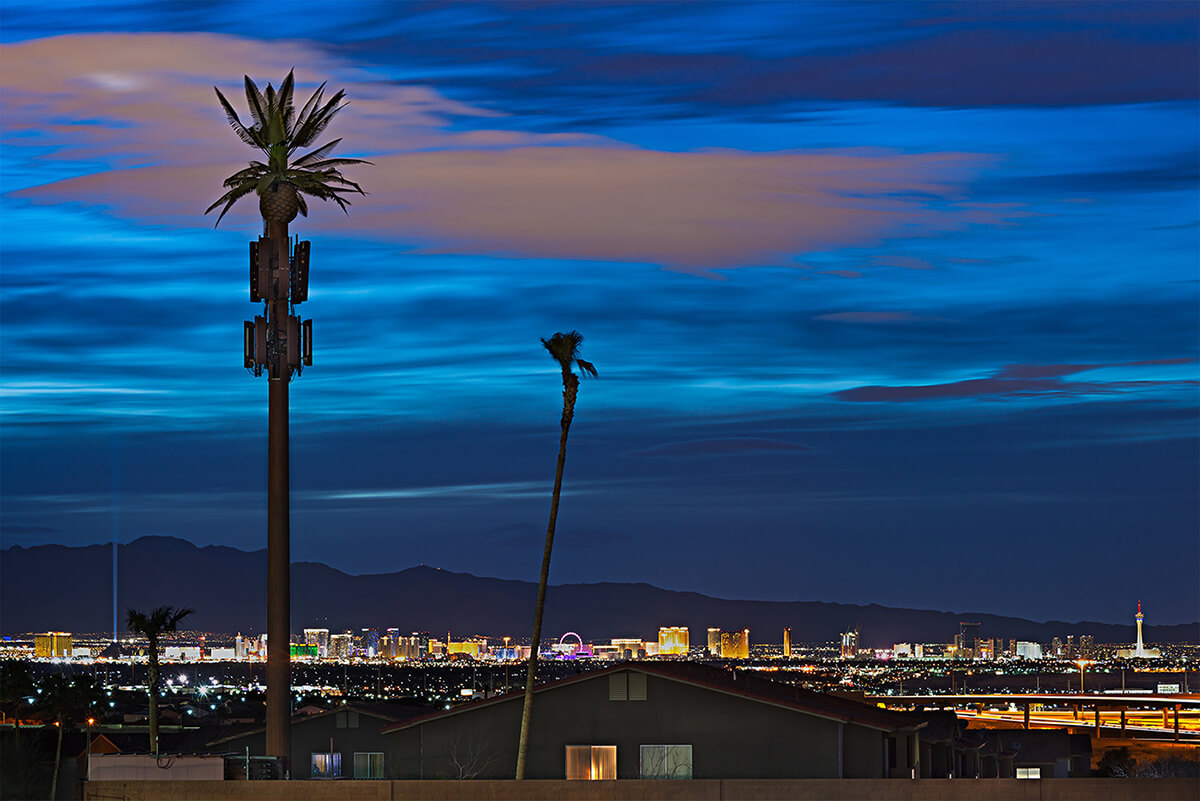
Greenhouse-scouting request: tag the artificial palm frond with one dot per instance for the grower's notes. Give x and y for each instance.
(278, 131)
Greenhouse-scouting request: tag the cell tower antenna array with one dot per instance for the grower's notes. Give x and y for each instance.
(277, 352)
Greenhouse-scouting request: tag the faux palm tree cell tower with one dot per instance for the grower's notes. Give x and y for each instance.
(278, 342)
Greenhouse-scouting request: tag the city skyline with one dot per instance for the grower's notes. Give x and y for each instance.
(866, 333)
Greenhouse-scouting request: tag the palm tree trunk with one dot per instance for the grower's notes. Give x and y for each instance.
(57, 761)
(570, 387)
(152, 689)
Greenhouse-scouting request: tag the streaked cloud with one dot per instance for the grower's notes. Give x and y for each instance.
(498, 490)
(1021, 380)
(726, 446)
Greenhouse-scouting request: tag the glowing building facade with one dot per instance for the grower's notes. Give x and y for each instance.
(630, 645)
(472, 648)
(735, 644)
(673, 641)
(370, 642)
(714, 641)
(52, 645)
(850, 644)
(787, 642)
(319, 638)
(341, 646)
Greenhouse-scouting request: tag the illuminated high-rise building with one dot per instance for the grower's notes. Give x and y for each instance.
(341, 646)
(1087, 646)
(985, 648)
(1028, 650)
(787, 642)
(319, 638)
(850, 644)
(392, 649)
(422, 643)
(52, 645)
(735, 644)
(714, 642)
(370, 642)
(472, 648)
(673, 641)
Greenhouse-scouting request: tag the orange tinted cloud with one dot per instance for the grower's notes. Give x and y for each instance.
(144, 105)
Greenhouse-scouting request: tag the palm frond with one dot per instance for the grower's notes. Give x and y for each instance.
(587, 367)
(257, 103)
(231, 197)
(307, 132)
(322, 166)
(313, 102)
(235, 122)
(312, 156)
(284, 101)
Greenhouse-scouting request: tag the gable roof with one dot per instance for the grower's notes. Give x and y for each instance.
(304, 719)
(741, 684)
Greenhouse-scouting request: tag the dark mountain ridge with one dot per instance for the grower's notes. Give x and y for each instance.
(56, 587)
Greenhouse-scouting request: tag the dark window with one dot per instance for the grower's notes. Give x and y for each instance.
(368, 764)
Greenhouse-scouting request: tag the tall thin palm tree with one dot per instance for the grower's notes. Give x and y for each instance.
(152, 626)
(564, 349)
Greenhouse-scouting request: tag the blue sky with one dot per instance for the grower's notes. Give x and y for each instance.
(892, 302)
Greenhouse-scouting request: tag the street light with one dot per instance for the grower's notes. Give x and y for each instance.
(506, 661)
(91, 722)
(1082, 664)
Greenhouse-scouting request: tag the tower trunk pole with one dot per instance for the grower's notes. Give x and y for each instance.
(279, 592)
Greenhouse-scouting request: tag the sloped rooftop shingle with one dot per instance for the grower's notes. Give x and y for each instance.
(741, 683)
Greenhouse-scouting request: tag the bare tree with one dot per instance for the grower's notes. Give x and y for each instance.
(666, 762)
(468, 758)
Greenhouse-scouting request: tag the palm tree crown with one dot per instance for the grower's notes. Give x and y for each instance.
(278, 130)
(564, 348)
(152, 626)
(161, 620)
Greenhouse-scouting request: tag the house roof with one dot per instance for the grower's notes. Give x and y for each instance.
(301, 718)
(1035, 746)
(741, 684)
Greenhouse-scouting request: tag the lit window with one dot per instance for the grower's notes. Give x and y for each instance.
(592, 762)
(1029, 773)
(666, 762)
(326, 766)
(368, 764)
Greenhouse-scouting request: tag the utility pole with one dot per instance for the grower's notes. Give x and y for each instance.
(279, 344)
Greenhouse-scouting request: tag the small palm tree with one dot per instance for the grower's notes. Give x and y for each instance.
(152, 626)
(279, 131)
(564, 348)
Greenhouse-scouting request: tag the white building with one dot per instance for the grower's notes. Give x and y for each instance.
(1028, 650)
